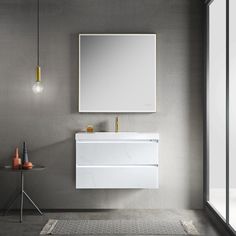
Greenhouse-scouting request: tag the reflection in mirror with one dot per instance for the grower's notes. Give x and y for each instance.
(117, 73)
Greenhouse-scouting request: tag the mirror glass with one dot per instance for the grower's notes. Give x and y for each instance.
(117, 73)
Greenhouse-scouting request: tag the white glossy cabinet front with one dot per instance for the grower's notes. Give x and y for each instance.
(89, 177)
(122, 163)
(116, 153)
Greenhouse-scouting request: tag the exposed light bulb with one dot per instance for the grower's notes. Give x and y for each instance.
(37, 87)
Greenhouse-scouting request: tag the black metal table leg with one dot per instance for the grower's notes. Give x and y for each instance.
(32, 202)
(22, 196)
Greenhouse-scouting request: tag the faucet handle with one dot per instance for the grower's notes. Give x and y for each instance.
(117, 124)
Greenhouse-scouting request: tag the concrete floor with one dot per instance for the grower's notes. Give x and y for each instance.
(32, 224)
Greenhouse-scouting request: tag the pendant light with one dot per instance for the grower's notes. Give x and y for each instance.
(38, 87)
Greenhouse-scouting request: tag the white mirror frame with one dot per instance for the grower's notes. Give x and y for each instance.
(152, 108)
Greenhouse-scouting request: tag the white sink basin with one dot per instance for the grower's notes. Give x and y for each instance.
(116, 136)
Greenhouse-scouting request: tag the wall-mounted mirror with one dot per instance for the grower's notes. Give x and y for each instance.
(117, 73)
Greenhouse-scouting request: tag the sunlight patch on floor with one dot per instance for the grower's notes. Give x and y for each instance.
(218, 201)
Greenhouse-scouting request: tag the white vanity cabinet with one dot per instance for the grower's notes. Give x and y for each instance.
(116, 160)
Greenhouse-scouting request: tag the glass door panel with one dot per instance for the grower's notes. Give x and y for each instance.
(217, 106)
(232, 113)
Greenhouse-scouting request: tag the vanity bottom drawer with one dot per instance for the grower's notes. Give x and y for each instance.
(120, 177)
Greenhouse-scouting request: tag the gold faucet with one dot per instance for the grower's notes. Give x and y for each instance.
(117, 124)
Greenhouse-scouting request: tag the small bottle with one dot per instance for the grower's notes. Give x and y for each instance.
(26, 163)
(16, 161)
(25, 157)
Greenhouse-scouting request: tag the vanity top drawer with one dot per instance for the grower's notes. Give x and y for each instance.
(117, 153)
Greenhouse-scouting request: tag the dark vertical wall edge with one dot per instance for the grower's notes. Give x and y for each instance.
(227, 111)
(205, 115)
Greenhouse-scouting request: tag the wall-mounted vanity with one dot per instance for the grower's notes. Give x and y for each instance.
(116, 160)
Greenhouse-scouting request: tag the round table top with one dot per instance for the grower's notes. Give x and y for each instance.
(9, 168)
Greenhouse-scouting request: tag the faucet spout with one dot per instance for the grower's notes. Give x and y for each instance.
(117, 124)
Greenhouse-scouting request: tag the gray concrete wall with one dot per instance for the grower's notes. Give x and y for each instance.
(48, 122)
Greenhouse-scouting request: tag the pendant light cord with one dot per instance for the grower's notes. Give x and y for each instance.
(37, 32)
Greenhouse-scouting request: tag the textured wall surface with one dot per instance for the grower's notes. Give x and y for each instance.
(48, 122)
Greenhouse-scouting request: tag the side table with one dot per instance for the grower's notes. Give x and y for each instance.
(22, 192)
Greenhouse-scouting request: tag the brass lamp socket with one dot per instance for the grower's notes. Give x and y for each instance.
(38, 74)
